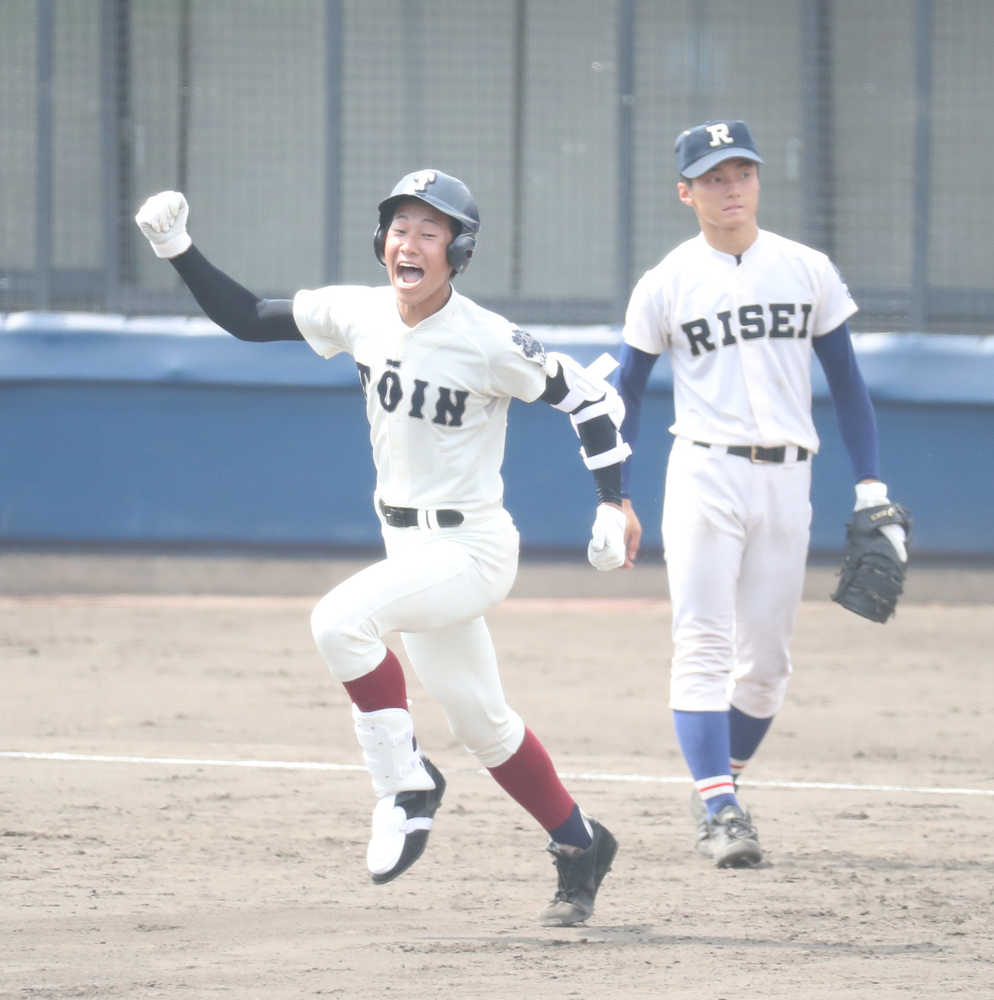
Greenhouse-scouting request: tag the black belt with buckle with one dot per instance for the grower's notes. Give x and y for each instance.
(757, 453)
(407, 517)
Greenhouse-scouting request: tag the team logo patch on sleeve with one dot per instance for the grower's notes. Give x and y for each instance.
(529, 346)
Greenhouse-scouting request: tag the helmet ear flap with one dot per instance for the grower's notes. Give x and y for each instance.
(379, 244)
(459, 252)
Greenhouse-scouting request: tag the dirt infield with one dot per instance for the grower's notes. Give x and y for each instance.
(182, 813)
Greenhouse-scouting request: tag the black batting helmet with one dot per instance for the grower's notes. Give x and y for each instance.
(446, 193)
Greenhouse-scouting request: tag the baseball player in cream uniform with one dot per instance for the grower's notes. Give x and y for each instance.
(438, 373)
(740, 311)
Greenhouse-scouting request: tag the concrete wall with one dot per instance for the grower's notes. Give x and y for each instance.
(169, 431)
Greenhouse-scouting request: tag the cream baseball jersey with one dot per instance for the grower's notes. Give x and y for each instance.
(739, 332)
(437, 394)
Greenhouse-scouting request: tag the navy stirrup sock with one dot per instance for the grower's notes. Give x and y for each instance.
(574, 831)
(745, 733)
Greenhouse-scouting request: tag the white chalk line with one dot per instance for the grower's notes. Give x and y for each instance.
(605, 776)
(241, 602)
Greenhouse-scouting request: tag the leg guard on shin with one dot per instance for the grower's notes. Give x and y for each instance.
(387, 740)
(408, 787)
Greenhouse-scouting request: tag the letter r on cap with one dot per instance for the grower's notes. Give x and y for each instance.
(719, 134)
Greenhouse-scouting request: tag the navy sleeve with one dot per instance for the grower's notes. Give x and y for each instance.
(853, 407)
(234, 308)
(630, 379)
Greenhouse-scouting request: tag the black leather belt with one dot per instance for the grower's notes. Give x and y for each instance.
(407, 517)
(757, 453)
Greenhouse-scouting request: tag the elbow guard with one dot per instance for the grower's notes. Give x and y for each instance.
(595, 408)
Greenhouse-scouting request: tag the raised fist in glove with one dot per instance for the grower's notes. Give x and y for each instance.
(606, 549)
(876, 556)
(162, 220)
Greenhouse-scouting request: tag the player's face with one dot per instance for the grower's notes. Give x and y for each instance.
(726, 200)
(414, 251)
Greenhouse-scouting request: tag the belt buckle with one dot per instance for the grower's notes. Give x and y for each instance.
(754, 450)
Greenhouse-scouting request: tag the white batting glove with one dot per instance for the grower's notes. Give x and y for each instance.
(162, 220)
(606, 548)
(873, 495)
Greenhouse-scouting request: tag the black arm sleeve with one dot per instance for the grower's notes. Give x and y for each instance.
(234, 308)
(608, 481)
(596, 436)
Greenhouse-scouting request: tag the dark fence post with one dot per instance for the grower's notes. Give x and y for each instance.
(922, 175)
(334, 48)
(626, 152)
(43, 157)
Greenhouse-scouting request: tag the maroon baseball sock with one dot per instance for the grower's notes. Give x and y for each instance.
(530, 778)
(383, 687)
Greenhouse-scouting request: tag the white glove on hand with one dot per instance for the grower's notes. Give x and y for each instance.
(606, 549)
(873, 495)
(162, 220)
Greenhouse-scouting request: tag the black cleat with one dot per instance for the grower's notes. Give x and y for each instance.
(401, 824)
(580, 876)
(730, 839)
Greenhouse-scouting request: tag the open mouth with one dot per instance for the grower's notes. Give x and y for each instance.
(408, 274)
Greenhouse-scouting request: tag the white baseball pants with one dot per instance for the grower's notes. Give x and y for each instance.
(433, 588)
(735, 535)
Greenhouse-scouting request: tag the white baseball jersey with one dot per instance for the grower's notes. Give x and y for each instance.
(437, 394)
(739, 332)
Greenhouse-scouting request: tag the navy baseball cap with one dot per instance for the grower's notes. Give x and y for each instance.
(702, 147)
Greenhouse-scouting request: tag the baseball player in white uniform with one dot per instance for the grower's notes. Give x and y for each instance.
(438, 373)
(740, 311)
